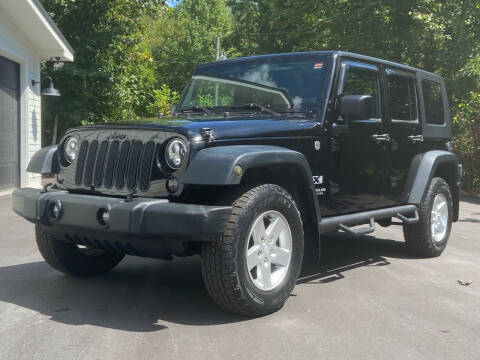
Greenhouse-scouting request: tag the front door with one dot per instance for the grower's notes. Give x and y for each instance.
(361, 154)
(9, 117)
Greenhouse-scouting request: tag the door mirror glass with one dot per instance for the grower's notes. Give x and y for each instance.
(357, 107)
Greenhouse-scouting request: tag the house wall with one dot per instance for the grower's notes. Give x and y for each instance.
(15, 47)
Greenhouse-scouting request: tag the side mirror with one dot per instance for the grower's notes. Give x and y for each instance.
(358, 107)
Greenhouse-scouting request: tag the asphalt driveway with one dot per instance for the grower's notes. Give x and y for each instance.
(367, 299)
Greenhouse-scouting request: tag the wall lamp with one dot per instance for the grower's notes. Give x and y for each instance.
(50, 91)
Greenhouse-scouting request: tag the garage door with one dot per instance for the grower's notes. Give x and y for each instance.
(9, 123)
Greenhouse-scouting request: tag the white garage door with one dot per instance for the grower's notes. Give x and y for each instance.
(9, 123)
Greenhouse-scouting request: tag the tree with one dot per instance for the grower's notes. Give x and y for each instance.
(112, 77)
(184, 37)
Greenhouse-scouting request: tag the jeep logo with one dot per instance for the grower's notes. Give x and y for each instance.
(116, 136)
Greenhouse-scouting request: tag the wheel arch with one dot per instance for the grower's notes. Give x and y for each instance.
(260, 164)
(424, 168)
(43, 161)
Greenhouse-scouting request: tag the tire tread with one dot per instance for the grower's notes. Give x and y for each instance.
(219, 261)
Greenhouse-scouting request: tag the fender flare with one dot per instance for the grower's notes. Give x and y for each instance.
(214, 166)
(42, 162)
(423, 168)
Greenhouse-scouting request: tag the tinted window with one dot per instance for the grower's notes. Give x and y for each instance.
(271, 82)
(363, 81)
(402, 98)
(432, 95)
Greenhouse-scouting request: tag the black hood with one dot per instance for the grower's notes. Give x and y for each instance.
(226, 128)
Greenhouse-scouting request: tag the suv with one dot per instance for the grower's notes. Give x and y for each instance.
(259, 150)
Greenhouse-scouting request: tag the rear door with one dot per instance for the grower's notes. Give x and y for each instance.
(9, 119)
(404, 126)
(361, 154)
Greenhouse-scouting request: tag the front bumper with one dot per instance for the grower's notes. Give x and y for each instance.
(142, 221)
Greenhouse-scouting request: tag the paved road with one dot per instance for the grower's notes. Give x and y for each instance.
(367, 299)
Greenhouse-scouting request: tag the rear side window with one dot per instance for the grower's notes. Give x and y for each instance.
(363, 81)
(402, 98)
(432, 95)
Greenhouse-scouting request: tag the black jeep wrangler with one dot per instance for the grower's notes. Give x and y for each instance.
(259, 150)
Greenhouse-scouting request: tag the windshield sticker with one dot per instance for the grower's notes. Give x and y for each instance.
(318, 65)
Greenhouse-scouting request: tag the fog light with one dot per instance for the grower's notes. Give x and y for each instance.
(172, 184)
(103, 217)
(54, 210)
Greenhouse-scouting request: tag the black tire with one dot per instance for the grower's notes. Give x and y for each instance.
(418, 237)
(70, 259)
(224, 268)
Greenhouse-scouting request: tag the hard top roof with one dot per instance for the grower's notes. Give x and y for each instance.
(331, 53)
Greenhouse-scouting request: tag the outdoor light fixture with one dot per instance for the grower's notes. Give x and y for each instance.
(50, 91)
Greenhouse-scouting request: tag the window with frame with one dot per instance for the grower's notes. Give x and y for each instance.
(433, 99)
(402, 97)
(363, 81)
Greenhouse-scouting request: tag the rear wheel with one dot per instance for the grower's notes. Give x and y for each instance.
(254, 267)
(429, 236)
(74, 260)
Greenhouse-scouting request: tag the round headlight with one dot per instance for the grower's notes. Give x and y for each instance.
(70, 149)
(175, 153)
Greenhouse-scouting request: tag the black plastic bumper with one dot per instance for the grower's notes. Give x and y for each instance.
(140, 218)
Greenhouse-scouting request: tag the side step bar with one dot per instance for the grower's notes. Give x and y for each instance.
(344, 221)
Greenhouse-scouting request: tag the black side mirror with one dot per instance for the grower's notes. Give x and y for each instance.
(358, 107)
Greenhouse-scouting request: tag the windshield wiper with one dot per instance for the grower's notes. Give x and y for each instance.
(197, 108)
(255, 106)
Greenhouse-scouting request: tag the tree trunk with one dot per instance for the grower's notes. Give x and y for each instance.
(55, 130)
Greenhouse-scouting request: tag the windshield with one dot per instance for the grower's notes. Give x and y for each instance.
(281, 84)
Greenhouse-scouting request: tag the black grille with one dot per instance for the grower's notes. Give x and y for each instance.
(81, 162)
(146, 166)
(111, 161)
(133, 165)
(92, 154)
(120, 164)
(102, 154)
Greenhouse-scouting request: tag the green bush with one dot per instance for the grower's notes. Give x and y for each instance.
(466, 121)
(163, 100)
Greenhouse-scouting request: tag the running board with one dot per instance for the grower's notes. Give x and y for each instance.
(344, 222)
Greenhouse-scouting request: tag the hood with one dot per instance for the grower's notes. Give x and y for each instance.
(226, 128)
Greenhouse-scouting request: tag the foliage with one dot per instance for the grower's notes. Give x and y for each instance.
(163, 100)
(466, 118)
(112, 77)
(183, 37)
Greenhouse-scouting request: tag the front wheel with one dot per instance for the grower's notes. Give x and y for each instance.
(429, 236)
(254, 267)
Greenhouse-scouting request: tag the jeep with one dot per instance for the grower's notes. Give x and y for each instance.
(259, 151)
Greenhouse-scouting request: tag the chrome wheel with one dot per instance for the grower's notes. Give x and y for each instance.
(269, 250)
(439, 217)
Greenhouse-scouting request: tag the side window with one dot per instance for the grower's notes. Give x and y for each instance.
(363, 81)
(402, 98)
(432, 96)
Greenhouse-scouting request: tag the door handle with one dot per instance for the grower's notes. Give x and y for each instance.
(415, 139)
(381, 138)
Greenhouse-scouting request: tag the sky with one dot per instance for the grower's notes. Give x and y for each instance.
(173, 3)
